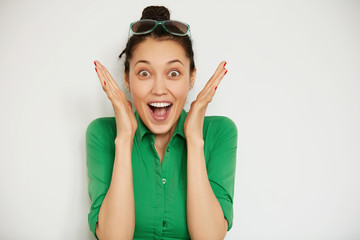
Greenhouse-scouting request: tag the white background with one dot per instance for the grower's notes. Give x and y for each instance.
(292, 89)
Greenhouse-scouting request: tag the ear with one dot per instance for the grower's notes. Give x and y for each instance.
(192, 79)
(126, 81)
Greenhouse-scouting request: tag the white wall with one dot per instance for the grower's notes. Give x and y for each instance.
(292, 88)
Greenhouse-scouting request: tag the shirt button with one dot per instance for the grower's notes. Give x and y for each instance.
(164, 180)
(167, 149)
(164, 224)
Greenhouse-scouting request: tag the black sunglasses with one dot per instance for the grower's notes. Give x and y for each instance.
(145, 26)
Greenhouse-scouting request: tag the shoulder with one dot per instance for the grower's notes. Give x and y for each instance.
(220, 124)
(104, 127)
(219, 131)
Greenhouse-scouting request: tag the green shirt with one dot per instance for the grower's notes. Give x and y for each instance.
(160, 190)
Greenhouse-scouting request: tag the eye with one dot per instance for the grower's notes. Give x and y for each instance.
(144, 73)
(174, 73)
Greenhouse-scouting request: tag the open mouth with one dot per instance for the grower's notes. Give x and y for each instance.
(160, 110)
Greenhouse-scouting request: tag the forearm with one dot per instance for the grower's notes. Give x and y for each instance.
(117, 212)
(205, 217)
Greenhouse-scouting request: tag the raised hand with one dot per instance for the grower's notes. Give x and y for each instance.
(193, 125)
(125, 119)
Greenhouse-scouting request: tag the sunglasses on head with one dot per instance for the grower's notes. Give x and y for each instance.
(145, 26)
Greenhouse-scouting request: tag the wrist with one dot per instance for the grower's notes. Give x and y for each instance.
(124, 140)
(194, 142)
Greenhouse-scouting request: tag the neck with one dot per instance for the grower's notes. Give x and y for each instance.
(162, 140)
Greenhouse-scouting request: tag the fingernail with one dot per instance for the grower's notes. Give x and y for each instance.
(94, 63)
(225, 72)
(215, 88)
(105, 83)
(95, 69)
(225, 64)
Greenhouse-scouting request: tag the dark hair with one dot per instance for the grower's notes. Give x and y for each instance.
(158, 13)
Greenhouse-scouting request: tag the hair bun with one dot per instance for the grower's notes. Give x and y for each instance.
(158, 13)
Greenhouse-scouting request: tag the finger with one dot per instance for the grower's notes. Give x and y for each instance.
(101, 76)
(219, 78)
(110, 78)
(108, 83)
(101, 69)
(218, 71)
(208, 93)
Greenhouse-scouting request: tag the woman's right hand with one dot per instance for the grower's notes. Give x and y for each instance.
(125, 119)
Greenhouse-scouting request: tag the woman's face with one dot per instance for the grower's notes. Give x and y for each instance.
(159, 80)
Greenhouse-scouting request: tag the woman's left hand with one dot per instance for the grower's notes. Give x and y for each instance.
(194, 121)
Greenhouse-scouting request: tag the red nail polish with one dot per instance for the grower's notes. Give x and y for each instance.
(105, 83)
(95, 69)
(215, 88)
(225, 64)
(225, 72)
(94, 63)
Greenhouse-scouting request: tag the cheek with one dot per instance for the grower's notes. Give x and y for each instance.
(180, 90)
(138, 91)
(141, 89)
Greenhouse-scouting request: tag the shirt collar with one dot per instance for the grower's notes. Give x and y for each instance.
(142, 128)
(180, 125)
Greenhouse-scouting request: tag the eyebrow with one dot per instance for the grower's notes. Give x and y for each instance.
(142, 61)
(174, 61)
(169, 62)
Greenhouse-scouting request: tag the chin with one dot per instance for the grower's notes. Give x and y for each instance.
(159, 130)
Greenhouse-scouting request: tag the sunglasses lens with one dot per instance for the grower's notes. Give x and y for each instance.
(176, 27)
(143, 26)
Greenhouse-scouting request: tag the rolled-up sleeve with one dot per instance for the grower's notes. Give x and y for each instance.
(99, 160)
(221, 165)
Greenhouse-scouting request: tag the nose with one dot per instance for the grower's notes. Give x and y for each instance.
(159, 86)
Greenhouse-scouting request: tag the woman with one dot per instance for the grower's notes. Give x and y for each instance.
(160, 173)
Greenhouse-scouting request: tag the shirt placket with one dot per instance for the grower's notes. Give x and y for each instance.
(164, 175)
(161, 179)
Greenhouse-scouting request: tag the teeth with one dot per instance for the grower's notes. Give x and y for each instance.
(159, 104)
